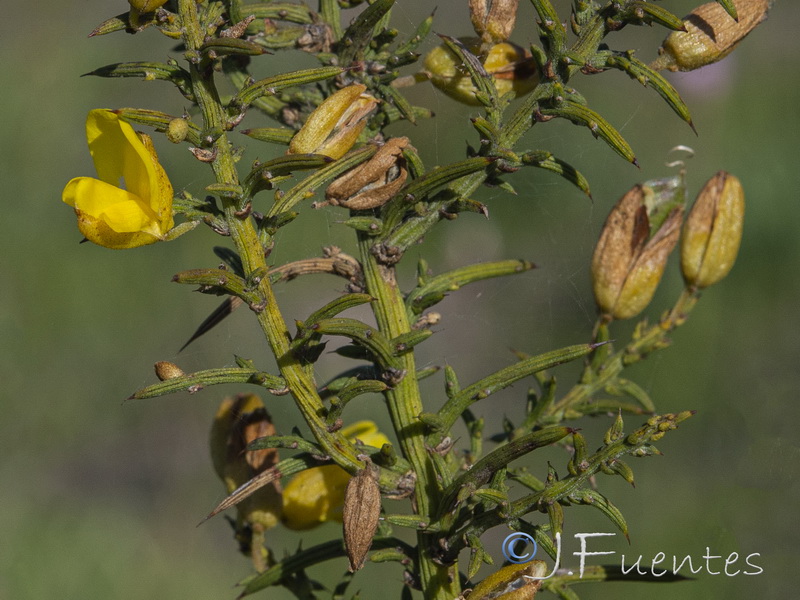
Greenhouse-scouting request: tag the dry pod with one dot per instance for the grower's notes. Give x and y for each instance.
(361, 513)
(512, 582)
(711, 34)
(713, 231)
(373, 183)
(512, 69)
(493, 20)
(637, 238)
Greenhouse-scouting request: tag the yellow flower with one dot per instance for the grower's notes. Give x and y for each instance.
(317, 495)
(130, 204)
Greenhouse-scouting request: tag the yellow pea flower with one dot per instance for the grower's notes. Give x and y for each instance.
(317, 495)
(130, 203)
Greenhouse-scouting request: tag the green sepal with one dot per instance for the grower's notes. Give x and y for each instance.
(179, 230)
(578, 462)
(363, 29)
(652, 13)
(435, 289)
(157, 120)
(305, 188)
(194, 382)
(150, 71)
(639, 71)
(274, 135)
(555, 513)
(730, 8)
(262, 176)
(600, 128)
(603, 504)
(270, 85)
(545, 160)
(504, 377)
(227, 46)
(365, 336)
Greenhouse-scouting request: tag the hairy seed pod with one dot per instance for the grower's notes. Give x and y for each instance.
(711, 34)
(361, 512)
(637, 238)
(713, 231)
(177, 130)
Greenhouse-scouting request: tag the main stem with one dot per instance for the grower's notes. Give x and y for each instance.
(405, 404)
(245, 238)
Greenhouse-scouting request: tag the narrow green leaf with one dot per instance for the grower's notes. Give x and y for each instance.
(157, 120)
(653, 13)
(150, 71)
(275, 135)
(271, 85)
(435, 288)
(261, 177)
(545, 160)
(362, 334)
(730, 8)
(363, 29)
(582, 115)
(639, 71)
(194, 382)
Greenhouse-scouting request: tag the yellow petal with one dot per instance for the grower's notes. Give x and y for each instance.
(122, 211)
(314, 496)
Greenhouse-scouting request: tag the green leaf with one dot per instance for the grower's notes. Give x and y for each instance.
(194, 382)
(366, 25)
(730, 8)
(434, 289)
(157, 120)
(545, 160)
(270, 85)
(600, 128)
(150, 71)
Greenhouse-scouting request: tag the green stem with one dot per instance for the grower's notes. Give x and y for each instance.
(246, 240)
(651, 339)
(405, 404)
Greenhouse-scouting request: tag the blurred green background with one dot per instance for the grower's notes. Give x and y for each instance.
(100, 498)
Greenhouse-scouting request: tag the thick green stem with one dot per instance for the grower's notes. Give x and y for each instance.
(245, 237)
(405, 404)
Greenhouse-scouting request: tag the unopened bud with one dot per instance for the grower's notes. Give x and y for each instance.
(360, 515)
(146, 6)
(713, 231)
(493, 20)
(512, 582)
(167, 370)
(637, 238)
(711, 34)
(335, 125)
(512, 69)
(177, 130)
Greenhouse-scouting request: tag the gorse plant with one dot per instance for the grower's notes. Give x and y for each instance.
(330, 133)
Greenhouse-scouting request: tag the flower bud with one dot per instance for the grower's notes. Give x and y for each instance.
(637, 238)
(512, 582)
(713, 231)
(512, 69)
(238, 422)
(711, 34)
(335, 125)
(493, 20)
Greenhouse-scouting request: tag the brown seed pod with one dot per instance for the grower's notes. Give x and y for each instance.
(711, 34)
(167, 370)
(360, 515)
